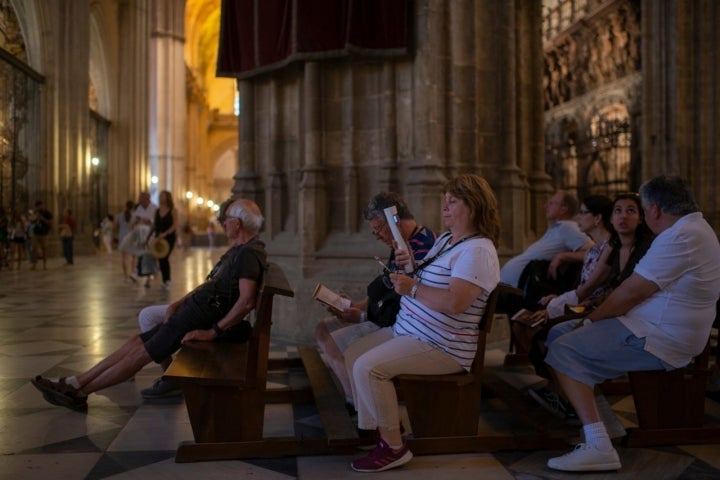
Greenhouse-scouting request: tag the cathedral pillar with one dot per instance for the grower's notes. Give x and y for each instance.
(425, 171)
(510, 115)
(312, 209)
(129, 167)
(247, 179)
(66, 172)
(167, 97)
(681, 110)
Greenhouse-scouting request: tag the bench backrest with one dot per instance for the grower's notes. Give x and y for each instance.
(274, 283)
(485, 326)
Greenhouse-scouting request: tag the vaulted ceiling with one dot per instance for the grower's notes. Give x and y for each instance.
(202, 31)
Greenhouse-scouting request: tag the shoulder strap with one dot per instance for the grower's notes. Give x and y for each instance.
(442, 251)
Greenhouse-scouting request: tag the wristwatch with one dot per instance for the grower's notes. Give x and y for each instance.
(218, 331)
(414, 289)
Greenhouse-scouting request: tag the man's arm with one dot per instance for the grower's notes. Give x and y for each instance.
(576, 256)
(633, 291)
(244, 304)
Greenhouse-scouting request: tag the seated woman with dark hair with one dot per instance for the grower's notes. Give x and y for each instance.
(593, 219)
(630, 239)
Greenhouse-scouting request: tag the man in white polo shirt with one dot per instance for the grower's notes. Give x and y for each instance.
(659, 318)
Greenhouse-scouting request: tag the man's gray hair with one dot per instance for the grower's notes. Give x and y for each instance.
(383, 200)
(248, 213)
(670, 193)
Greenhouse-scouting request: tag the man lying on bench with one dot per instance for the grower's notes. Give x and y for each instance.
(221, 302)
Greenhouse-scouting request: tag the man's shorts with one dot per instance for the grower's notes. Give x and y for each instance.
(165, 338)
(601, 351)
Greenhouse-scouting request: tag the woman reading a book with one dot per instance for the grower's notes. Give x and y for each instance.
(437, 325)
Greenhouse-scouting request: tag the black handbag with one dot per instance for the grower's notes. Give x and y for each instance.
(383, 302)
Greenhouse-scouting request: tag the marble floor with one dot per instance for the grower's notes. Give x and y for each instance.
(61, 321)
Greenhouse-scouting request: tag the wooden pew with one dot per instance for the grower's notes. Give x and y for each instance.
(444, 410)
(224, 385)
(670, 406)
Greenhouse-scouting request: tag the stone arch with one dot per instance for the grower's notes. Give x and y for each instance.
(562, 135)
(223, 159)
(99, 69)
(224, 167)
(31, 26)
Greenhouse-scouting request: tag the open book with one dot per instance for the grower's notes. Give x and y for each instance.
(324, 295)
(525, 317)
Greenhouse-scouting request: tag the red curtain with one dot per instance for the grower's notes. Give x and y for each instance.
(257, 36)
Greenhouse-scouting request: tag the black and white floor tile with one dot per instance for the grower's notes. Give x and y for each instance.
(61, 321)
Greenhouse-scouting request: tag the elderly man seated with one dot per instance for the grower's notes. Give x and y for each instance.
(658, 319)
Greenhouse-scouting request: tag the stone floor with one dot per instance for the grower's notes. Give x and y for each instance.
(61, 321)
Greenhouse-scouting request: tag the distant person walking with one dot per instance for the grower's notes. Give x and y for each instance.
(67, 232)
(123, 224)
(164, 227)
(42, 224)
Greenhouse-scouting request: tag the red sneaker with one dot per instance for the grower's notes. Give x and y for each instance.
(382, 458)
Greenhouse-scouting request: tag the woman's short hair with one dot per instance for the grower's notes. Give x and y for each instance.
(477, 194)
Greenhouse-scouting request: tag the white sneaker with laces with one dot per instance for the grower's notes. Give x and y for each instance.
(586, 458)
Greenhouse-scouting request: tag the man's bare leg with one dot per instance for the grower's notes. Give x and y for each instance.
(117, 367)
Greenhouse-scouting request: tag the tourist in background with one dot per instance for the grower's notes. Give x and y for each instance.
(165, 226)
(67, 231)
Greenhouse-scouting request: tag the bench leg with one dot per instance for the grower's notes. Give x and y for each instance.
(443, 409)
(224, 414)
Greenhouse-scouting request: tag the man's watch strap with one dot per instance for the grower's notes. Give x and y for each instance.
(218, 331)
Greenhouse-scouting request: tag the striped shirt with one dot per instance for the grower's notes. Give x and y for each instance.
(474, 260)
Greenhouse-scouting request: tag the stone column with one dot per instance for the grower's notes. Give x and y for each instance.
(312, 208)
(461, 89)
(167, 96)
(66, 168)
(659, 57)
(277, 185)
(698, 104)
(388, 129)
(530, 141)
(247, 179)
(129, 166)
(425, 171)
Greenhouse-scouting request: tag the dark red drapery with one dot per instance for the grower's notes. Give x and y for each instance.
(257, 36)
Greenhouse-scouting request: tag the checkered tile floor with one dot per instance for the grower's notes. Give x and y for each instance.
(61, 321)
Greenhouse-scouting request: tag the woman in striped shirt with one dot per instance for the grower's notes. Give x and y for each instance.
(437, 325)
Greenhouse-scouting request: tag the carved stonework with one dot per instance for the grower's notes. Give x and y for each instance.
(11, 38)
(604, 48)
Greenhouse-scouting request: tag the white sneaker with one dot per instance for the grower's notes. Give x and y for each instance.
(586, 458)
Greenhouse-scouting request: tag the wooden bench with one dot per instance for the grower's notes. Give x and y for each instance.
(225, 391)
(670, 406)
(444, 410)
